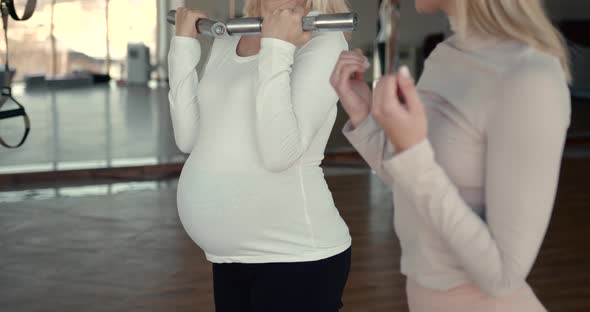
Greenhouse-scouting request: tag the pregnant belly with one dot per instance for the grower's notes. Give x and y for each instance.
(242, 214)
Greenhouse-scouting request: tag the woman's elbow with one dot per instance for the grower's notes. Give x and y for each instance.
(184, 143)
(504, 286)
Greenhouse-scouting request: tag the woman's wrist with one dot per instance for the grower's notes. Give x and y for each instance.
(358, 118)
(184, 35)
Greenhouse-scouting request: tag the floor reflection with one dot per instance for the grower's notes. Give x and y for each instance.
(53, 190)
(85, 190)
(94, 127)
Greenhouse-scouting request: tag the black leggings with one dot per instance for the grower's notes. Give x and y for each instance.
(281, 287)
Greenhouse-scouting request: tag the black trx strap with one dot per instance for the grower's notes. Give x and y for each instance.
(29, 9)
(7, 8)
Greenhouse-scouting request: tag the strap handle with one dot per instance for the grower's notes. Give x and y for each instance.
(29, 9)
(7, 8)
(13, 113)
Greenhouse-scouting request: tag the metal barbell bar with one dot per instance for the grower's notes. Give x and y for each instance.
(204, 26)
(345, 22)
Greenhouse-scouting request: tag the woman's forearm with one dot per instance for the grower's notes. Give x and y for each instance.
(294, 97)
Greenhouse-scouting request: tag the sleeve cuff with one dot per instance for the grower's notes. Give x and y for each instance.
(407, 166)
(362, 131)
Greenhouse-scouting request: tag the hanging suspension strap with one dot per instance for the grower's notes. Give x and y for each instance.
(8, 9)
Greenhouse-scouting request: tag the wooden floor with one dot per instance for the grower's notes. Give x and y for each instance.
(128, 252)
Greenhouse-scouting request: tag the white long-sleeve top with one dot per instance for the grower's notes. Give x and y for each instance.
(472, 203)
(256, 128)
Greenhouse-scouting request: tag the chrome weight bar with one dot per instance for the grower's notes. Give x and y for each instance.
(204, 26)
(346, 22)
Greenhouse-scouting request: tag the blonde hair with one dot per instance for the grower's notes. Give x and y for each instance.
(252, 7)
(521, 20)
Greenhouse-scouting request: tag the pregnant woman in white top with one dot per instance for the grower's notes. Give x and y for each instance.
(252, 194)
(472, 154)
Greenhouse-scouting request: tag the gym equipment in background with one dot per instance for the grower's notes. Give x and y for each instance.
(9, 10)
(138, 64)
(386, 54)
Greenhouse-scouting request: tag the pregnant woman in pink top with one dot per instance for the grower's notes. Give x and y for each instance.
(472, 153)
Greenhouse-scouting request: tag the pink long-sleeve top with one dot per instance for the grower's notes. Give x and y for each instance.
(472, 203)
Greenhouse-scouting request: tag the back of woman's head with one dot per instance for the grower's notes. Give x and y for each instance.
(252, 7)
(521, 20)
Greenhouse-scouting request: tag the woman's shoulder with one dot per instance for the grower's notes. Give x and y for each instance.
(535, 83)
(533, 63)
(507, 62)
(325, 41)
(534, 71)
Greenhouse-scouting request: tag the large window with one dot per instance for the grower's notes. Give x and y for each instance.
(66, 36)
